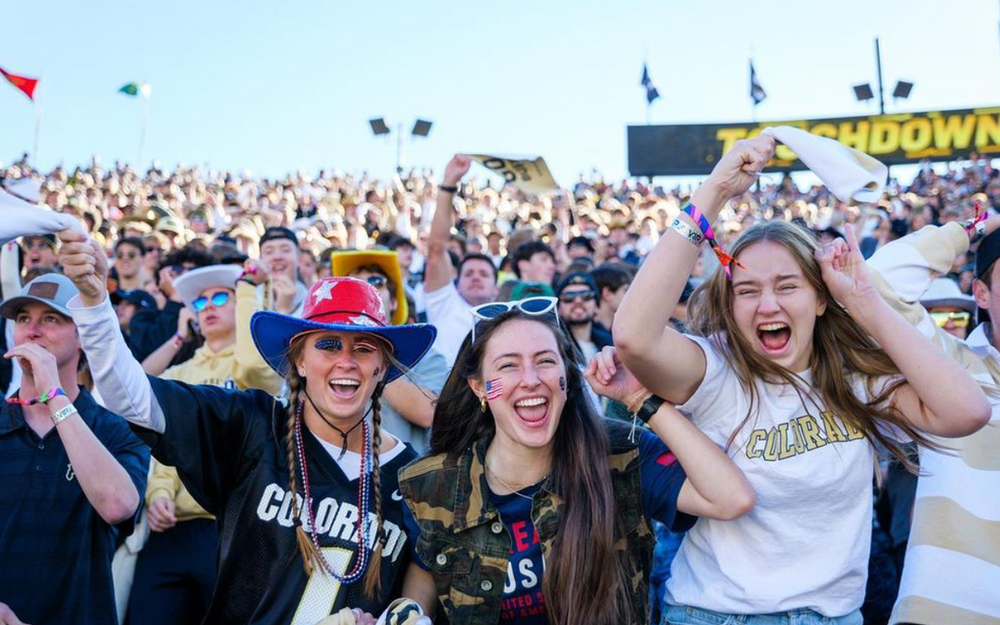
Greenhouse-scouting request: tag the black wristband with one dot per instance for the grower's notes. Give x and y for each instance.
(451, 190)
(649, 408)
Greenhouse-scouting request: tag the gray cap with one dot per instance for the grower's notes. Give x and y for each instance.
(52, 289)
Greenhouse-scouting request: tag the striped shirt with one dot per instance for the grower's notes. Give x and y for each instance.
(952, 570)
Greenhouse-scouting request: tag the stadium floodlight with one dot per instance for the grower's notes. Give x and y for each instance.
(422, 128)
(379, 126)
(863, 92)
(902, 90)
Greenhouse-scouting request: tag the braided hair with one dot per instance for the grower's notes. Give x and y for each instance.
(373, 577)
(311, 556)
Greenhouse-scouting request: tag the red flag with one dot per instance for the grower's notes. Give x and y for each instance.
(25, 84)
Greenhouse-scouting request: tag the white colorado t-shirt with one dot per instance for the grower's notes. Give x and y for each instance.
(806, 542)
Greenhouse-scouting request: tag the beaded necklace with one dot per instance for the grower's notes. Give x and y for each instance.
(364, 493)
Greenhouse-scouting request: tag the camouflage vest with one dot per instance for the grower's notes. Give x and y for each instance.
(467, 547)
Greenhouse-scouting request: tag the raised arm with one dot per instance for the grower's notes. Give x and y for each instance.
(940, 397)
(117, 374)
(438, 271)
(665, 361)
(104, 479)
(251, 371)
(714, 486)
(158, 362)
(910, 264)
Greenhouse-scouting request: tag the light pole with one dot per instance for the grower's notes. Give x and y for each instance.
(863, 92)
(421, 128)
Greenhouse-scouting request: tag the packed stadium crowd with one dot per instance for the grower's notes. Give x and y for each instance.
(463, 365)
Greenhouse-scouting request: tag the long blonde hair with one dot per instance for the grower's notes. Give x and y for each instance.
(841, 347)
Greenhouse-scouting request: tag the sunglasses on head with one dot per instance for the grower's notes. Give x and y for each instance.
(218, 301)
(960, 319)
(586, 296)
(535, 306)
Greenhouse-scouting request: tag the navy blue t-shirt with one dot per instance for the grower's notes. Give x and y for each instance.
(523, 601)
(661, 478)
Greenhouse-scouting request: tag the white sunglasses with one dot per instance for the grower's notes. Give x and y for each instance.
(535, 306)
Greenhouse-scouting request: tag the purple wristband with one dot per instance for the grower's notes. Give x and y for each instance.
(701, 220)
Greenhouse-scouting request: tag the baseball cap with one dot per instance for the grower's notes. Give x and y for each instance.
(278, 232)
(574, 278)
(137, 297)
(524, 290)
(50, 239)
(987, 253)
(52, 289)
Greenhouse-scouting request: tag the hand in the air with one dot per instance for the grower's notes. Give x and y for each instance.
(609, 378)
(457, 167)
(86, 264)
(844, 270)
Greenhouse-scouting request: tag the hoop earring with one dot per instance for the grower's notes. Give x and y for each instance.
(482, 403)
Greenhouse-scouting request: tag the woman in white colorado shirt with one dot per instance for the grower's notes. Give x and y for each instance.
(796, 387)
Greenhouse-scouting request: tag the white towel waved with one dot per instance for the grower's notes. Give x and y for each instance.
(19, 219)
(850, 174)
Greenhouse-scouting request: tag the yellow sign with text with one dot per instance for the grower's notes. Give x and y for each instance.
(892, 139)
(530, 175)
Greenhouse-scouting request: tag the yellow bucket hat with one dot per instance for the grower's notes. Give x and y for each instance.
(342, 264)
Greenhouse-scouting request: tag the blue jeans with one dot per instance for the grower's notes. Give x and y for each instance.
(680, 615)
(667, 544)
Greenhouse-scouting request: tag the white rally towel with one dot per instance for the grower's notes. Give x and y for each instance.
(19, 219)
(850, 174)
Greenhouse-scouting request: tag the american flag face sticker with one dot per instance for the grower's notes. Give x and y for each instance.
(494, 389)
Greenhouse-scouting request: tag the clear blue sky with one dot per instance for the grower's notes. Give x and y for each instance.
(272, 87)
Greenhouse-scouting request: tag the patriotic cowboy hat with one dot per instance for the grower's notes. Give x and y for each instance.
(340, 305)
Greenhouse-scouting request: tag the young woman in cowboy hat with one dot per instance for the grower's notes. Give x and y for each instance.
(304, 490)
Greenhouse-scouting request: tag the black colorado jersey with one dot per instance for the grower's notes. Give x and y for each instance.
(229, 450)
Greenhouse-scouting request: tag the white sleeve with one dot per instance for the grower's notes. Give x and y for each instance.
(10, 270)
(20, 218)
(118, 376)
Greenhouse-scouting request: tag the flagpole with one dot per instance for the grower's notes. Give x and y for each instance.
(38, 125)
(144, 113)
(645, 66)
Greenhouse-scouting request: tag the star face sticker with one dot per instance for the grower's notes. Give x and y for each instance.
(323, 292)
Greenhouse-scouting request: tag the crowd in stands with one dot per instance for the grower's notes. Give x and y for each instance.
(193, 253)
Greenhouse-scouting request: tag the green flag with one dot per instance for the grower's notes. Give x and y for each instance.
(137, 89)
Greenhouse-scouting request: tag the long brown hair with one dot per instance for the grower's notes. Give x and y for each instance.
(311, 556)
(841, 347)
(584, 577)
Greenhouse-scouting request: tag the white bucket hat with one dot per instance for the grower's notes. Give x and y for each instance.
(945, 292)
